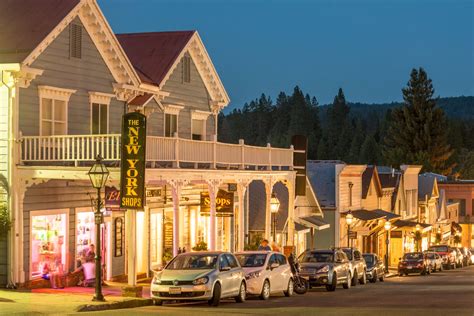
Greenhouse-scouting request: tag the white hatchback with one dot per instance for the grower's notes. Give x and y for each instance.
(266, 272)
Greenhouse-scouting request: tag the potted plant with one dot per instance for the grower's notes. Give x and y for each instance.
(200, 246)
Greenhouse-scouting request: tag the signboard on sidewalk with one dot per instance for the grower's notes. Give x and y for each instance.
(132, 168)
(352, 235)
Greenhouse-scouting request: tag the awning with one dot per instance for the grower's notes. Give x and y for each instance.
(410, 224)
(369, 215)
(313, 221)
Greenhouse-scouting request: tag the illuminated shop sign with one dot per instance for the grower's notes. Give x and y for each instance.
(132, 171)
(224, 204)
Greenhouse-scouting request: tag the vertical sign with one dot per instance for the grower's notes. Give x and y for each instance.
(300, 155)
(132, 168)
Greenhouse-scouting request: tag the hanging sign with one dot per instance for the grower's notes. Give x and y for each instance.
(132, 168)
(224, 204)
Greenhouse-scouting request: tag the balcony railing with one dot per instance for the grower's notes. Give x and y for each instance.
(179, 152)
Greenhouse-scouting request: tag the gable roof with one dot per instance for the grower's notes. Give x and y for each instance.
(369, 174)
(426, 186)
(24, 24)
(322, 175)
(155, 55)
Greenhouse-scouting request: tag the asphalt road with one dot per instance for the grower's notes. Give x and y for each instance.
(441, 293)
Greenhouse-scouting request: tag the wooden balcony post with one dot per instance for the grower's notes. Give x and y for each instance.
(214, 151)
(292, 162)
(242, 154)
(176, 151)
(269, 166)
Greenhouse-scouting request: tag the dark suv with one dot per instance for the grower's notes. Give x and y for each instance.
(358, 265)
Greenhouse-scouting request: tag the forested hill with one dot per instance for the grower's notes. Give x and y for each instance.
(455, 107)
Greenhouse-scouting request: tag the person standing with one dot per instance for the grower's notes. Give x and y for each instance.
(264, 246)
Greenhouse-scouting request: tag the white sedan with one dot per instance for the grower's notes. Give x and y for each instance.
(266, 272)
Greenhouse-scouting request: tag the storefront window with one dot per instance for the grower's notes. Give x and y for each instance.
(48, 243)
(85, 232)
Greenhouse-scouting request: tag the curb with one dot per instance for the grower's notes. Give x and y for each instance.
(391, 275)
(115, 305)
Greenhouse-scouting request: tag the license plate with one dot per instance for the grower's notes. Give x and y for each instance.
(409, 267)
(175, 290)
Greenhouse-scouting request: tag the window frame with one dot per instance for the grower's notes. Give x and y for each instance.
(198, 115)
(171, 110)
(54, 94)
(99, 98)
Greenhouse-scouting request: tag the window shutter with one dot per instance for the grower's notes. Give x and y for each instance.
(75, 40)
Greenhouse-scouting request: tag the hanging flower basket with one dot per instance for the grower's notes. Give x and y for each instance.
(5, 221)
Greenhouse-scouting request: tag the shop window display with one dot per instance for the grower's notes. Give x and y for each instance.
(48, 247)
(85, 232)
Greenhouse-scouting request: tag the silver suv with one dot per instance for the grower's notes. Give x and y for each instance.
(358, 265)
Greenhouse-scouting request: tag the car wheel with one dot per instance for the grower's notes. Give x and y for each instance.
(157, 302)
(290, 288)
(216, 296)
(265, 294)
(374, 278)
(354, 278)
(347, 285)
(242, 293)
(363, 280)
(332, 287)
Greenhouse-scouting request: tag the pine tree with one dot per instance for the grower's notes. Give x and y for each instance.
(417, 134)
(369, 151)
(339, 129)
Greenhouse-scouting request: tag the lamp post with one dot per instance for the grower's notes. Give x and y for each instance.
(349, 219)
(387, 227)
(98, 175)
(274, 207)
(417, 236)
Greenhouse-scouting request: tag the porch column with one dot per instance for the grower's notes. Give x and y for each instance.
(268, 212)
(241, 189)
(213, 188)
(131, 231)
(16, 242)
(176, 193)
(291, 213)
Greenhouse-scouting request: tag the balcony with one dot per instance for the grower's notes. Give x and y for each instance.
(161, 152)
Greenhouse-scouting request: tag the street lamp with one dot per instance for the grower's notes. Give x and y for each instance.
(98, 175)
(274, 207)
(349, 219)
(387, 227)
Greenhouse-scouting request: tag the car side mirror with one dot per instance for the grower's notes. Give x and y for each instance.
(227, 268)
(274, 265)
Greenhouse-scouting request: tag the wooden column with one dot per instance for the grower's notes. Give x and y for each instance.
(176, 193)
(131, 231)
(268, 212)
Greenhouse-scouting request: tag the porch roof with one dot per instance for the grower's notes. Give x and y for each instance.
(313, 221)
(369, 215)
(411, 224)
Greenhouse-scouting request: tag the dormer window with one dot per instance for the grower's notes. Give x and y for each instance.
(75, 40)
(187, 69)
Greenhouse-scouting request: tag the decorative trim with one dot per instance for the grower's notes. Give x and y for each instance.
(100, 97)
(55, 93)
(125, 92)
(200, 115)
(26, 75)
(172, 109)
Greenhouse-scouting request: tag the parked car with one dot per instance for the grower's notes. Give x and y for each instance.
(375, 267)
(466, 254)
(358, 266)
(266, 273)
(328, 268)
(207, 276)
(448, 257)
(434, 260)
(413, 262)
(459, 257)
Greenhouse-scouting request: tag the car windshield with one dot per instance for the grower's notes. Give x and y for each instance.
(369, 259)
(193, 262)
(251, 260)
(317, 257)
(348, 253)
(413, 256)
(430, 256)
(439, 248)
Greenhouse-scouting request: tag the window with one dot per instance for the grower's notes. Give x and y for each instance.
(171, 124)
(186, 69)
(223, 263)
(75, 40)
(99, 118)
(198, 129)
(356, 255)
(232, 261)
(53, 117)
(281, 259)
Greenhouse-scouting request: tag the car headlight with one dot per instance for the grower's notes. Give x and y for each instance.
(253, 275)
(323, 269)
(201, 281)
(157, 279)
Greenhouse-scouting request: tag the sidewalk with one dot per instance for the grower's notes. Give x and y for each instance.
(68, 300)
